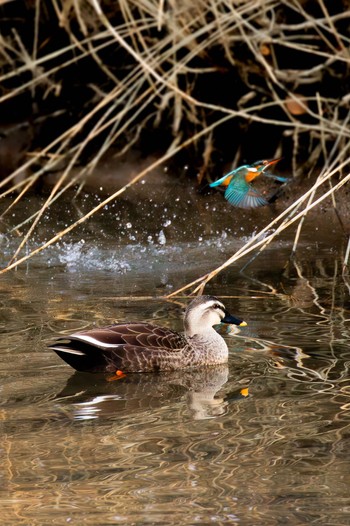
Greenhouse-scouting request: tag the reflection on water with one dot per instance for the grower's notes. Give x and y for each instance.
(263, 440)
(140, 392)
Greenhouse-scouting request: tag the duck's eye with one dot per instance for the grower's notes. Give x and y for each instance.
(217, 306)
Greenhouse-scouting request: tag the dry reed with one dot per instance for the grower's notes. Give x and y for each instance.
(158, 65)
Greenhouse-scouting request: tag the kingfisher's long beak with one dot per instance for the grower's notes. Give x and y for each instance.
(270, 163)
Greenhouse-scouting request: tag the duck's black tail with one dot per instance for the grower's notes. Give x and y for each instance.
(82, 356)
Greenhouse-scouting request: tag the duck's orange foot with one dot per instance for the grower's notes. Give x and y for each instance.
(244, 392)
(117, 376)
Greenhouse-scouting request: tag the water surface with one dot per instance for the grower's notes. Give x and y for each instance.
(263, 440)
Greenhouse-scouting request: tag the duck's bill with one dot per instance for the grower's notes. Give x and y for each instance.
(231, 320)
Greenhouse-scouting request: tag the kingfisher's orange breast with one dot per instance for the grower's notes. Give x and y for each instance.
(226, 181)
(250, 176)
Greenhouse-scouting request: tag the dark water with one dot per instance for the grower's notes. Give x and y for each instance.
(264, 440)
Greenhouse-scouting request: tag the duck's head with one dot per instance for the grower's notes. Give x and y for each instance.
(205, 311)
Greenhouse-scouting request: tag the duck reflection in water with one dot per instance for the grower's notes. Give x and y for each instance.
(136, 393)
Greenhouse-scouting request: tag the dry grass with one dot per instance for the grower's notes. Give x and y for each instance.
(158, 65)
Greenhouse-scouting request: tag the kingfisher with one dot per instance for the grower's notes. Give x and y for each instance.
(239, 191)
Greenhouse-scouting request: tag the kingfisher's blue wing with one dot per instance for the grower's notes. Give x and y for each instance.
(241, 194)
(222, 179)
(276, 177)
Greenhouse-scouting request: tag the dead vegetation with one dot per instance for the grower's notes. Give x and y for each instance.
(217, 81)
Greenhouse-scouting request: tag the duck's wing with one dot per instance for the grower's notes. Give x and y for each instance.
(241, 194)
(130, 347)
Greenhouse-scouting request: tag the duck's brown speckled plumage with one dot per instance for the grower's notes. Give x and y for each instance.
(144, 347)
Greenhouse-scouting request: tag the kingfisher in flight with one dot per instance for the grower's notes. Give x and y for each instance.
(239, 191)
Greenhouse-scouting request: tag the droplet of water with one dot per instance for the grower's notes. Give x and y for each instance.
(161, 238)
